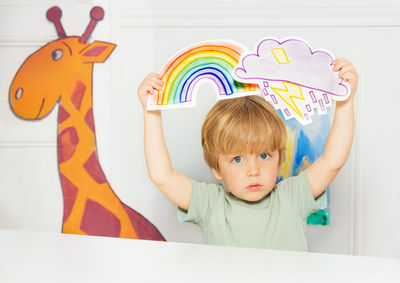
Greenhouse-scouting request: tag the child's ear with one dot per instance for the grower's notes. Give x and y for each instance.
(217, 174)
(97, 52)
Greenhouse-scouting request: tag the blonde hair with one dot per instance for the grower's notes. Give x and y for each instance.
(244, 125)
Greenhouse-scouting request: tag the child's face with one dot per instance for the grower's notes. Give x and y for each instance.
(249, 176)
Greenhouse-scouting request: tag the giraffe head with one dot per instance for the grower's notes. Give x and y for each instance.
(47, 75)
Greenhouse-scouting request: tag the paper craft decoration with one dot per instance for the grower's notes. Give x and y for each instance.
(304, 145)
(198, 63)
(61, 72)
(294, 77)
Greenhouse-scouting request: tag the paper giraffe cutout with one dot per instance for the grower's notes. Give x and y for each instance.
(61, 72)
(294, 77)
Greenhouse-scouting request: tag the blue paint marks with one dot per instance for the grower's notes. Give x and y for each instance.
(309, 146)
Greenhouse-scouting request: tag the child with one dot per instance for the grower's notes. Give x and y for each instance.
(243, 141)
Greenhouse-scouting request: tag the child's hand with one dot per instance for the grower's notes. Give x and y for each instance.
(347, 72)
(151, 83)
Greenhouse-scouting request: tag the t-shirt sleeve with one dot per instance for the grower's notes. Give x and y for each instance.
(202, 200)
(299, 192)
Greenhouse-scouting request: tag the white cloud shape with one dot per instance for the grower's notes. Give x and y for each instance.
(302, 66)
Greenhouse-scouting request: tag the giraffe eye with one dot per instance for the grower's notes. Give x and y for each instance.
(57, 54)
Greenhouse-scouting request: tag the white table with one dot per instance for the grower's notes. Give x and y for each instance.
(49, 257)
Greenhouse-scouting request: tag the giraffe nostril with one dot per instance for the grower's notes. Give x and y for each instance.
(18, 93)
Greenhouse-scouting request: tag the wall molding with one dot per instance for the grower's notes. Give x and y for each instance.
(28, 143)
(263, 17)
(24, 41)
(42, 3)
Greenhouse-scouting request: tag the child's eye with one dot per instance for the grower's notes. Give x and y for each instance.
(237, 159)
(264, 156)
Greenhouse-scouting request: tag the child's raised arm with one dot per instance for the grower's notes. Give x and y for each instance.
(338, 145)
(176, 187)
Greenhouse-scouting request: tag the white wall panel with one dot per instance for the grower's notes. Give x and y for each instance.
(30, 194)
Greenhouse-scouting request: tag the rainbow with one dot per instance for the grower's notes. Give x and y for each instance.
(213, 60)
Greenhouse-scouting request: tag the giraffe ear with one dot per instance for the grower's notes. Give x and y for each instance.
(97, 52)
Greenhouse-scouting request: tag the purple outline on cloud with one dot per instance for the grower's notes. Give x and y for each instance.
(291, 72)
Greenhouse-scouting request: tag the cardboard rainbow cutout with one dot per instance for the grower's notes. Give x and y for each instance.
(196, 64)
(293, 77)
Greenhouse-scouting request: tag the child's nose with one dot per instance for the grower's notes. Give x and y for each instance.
(253, 169)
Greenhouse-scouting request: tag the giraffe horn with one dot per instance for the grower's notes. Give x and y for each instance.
(96, 14)
(54, 15)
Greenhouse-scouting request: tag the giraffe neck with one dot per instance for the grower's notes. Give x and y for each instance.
(76, 130)
(79, 167)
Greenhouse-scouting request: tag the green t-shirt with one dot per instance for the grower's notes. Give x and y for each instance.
(278, 221)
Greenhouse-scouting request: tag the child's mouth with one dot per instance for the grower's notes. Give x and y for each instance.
(254, 187)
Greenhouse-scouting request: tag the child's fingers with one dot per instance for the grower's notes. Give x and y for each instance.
(348, 76)
(154, 80)
(345, 69)
(146, 89)
(339, 64)
(151, 83)
(347, 72)
(154, 76)
(156, 83)
(351, 80)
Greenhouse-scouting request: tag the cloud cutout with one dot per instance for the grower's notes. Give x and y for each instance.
(292, 60)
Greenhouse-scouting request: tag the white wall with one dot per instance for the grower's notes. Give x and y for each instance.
(365, 199)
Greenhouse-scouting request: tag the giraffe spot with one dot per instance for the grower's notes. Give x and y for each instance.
(62, 114)
(95, 51)
(77, 95)
(69, 193)
(89, 119)
(144, 229)
(99, 221)
(93, 168)
(67, 143)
